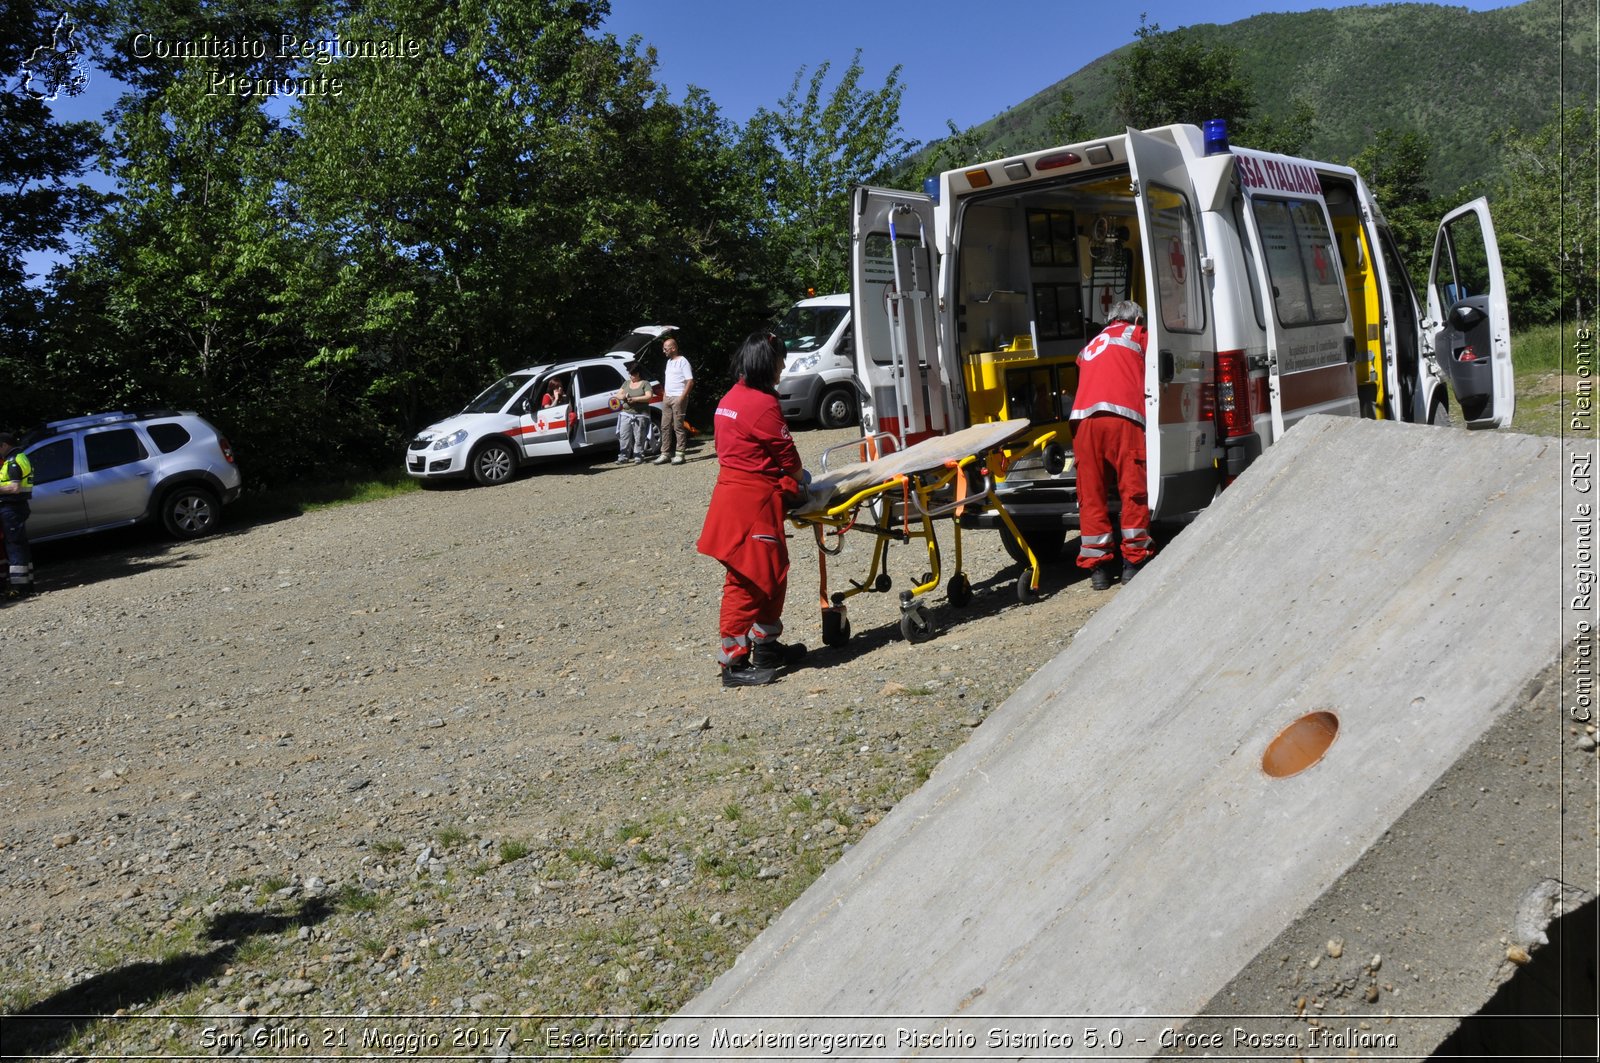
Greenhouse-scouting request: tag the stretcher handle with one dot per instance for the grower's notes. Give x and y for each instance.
(882, 442)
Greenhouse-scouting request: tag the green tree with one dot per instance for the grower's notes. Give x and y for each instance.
(817, 146)
(1168, 76)
(1545, 219)
(41, 200)
(1065, 123)
(1396, 169)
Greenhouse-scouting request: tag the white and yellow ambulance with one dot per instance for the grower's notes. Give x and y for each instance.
(1272, 286)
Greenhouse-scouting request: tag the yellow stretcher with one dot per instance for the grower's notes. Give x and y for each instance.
(898, 497)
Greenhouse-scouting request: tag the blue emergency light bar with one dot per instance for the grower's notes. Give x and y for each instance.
(1215, 131)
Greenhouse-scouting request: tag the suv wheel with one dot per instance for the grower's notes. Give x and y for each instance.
(190, 511)
(493, 463)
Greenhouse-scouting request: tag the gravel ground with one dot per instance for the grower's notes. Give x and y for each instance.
(336, 784)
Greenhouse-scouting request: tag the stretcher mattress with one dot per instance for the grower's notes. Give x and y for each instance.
(929, 455)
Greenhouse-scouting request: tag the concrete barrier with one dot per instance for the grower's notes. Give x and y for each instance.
(1108, 852)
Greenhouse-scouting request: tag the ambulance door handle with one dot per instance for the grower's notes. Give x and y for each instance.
(1350, 350)
(1166, 367)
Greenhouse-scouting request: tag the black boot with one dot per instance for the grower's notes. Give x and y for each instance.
(1101, 577)
(740, 672)
(775, 654)
(1130, 570)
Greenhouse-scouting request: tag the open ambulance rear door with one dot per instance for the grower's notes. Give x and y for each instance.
(894, 300)
(1177, 362)
(1469, 323)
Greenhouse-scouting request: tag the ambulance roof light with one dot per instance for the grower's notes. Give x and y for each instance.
(1215, 131)
(930, 188)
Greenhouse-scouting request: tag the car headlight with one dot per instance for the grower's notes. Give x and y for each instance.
(454, 439)
(806, 364)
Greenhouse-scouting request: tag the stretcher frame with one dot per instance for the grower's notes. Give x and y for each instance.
(922, 497)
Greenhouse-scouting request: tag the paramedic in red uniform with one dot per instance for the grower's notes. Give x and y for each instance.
(760, 472)
(1108, 443)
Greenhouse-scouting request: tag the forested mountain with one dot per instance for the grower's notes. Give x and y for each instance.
(1460, 77)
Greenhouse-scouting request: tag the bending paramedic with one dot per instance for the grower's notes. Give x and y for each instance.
(1108, 447)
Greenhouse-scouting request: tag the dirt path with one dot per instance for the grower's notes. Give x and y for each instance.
(462, 751)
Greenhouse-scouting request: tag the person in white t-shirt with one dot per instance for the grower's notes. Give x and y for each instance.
(678, 382)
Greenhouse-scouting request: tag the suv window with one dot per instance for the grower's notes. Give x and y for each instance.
(51, 462)
(597, 379)
(106, 450)
(168, 437)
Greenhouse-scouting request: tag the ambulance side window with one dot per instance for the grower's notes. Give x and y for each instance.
(1249, 262)
(1176, 261)
(1301, 261)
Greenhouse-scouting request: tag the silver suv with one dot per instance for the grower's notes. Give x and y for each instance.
(108, 470)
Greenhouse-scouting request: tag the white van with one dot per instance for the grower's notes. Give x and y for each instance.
(1272, 286)
(819, 372)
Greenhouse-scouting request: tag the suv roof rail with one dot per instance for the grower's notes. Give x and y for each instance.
(91, 420)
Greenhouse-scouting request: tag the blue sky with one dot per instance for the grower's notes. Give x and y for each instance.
(962, 61)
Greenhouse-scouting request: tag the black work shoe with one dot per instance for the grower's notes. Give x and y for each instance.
(741, 673)
(1130, 570)
(1101, 577)
(776, 654)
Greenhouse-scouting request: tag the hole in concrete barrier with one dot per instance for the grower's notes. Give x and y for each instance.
(1300, 745)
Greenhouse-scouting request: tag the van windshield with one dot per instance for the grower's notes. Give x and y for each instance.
(496, 395)
(805, 328)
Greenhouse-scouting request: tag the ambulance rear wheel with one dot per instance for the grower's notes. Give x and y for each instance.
(1025, 591)
(960, 591)
(835, 629)
(916, 625)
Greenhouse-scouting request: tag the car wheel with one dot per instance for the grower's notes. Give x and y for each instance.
(493, 463)
(190, 511)
(837, 408)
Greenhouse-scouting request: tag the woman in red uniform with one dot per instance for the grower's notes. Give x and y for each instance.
(760, 472)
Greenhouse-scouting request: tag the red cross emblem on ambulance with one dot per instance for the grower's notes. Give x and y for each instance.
(1105, 301)
(1320, 260)
(1175, 257)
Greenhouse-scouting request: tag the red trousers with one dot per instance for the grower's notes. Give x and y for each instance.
(752, 611)
(1110, 449)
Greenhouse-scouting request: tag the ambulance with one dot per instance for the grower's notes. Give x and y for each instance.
(1272, 286)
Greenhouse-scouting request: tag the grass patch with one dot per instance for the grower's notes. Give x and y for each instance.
(583, 855)
(296, 498)
(1547, 398)
(802, 803)
(629, 831)
(450, 837)
(732, 812)
(351, 898)
(512, 850)
(388, 847)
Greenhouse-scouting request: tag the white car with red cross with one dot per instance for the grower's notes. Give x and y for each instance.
(525, 417)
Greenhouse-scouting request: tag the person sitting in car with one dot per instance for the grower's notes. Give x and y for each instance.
(555, 395)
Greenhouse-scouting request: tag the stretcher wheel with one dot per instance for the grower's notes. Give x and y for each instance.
(882, 583)
(835, 629)
(1025, 591)
(916, 625)
(960, 591)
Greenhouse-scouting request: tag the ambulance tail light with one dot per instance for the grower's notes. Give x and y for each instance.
(1233, 394)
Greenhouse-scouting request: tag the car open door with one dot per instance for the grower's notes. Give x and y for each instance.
(1175, 301)
(548, 430)
(894, 300)
(1469, 322)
